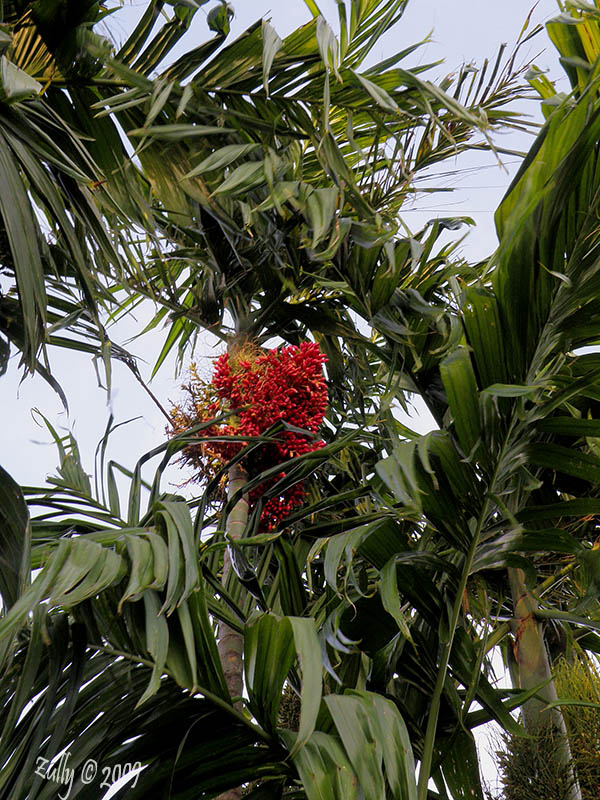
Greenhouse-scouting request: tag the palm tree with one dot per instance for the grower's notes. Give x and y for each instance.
(59, 222)
(515, 394)
(375, 630)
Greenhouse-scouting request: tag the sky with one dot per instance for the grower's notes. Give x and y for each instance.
(461, 31)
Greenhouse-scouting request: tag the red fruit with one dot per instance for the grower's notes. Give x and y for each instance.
(264, 388)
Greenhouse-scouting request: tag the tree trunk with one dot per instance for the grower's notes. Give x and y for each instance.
(533, 667)
(231, 643)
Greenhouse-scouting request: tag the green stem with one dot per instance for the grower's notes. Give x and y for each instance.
(428, 744)
(135, 659)
(214, 698)
(434, 710)
(565, 616)
(496, 636)
(552, 580)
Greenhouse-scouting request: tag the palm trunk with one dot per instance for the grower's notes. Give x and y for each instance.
(533, 668)
(231, 643)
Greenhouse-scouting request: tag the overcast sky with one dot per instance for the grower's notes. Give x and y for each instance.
(463, 30)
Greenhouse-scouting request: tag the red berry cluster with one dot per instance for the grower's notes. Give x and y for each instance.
(265, 387)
